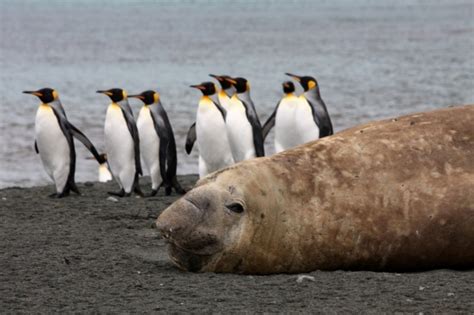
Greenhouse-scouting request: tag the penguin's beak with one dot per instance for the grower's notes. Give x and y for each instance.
(294, 76)
(198, 87)
(36, 93)
(232, 81)
(139, 96)
(104, 92)
(216, 77)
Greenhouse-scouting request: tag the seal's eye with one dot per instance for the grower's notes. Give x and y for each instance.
(235, 207)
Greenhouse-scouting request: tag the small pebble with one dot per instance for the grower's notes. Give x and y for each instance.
(421, 288)
(450, 294)
(305, 277)
(4, 198)
(112, 199)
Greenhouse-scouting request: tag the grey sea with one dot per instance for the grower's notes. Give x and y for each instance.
(373, 60)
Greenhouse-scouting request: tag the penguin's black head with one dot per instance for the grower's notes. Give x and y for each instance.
(288, 87)
(241, 85)
(207, 88)
(46, 95)
(116, 95)
(307, 82)
(222, 81)
(148, 97)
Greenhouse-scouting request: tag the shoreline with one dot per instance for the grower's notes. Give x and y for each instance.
(91, 253)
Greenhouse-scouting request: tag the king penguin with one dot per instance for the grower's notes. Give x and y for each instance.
(312, 115)
(214, 149)
(122, 143)
(242, 124)
(222, 98)
(157, 143)
(284, 120)
(55, 144)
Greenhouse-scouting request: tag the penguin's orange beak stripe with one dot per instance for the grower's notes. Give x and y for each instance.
(198, 87)
(105, 92)
(33, 93)
(219, 78)
(294, 76)
(137, 96)
(231, 80)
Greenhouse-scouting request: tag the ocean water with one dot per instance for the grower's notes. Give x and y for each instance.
(373, 60)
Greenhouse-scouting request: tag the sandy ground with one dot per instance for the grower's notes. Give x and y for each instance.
(90, 254)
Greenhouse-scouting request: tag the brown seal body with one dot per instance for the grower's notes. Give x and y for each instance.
(390, 195)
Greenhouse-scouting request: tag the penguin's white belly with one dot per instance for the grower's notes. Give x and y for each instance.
(239, 132)
(307, 128)
(53, 146)
(286, 133)
(149, 145)
(214, 149)
(119, 146)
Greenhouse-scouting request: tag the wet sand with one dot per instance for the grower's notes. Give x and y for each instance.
(91, 254)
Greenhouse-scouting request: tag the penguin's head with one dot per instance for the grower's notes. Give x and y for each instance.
(46, 95)
(116, 95)
(288, 87)
(222, 81)
(307, 82)
(207, 88)
(148, 97)
(241, 85)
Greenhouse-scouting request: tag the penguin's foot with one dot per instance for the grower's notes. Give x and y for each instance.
(138, 191)
(168, 190)
(179, 190)
(120, 193)
(177, 187)
(65, 193)
(153, 193)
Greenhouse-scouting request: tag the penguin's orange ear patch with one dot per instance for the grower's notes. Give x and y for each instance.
(55, 95)
(156, 97)
(124, 94)
(311, 84)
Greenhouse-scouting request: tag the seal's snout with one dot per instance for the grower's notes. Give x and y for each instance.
(166, 229)
(178, 219)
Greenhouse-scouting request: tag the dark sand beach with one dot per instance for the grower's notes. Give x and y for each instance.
(92, 254)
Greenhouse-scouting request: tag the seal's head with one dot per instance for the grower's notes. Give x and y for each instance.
(220, 224)
(202, 226)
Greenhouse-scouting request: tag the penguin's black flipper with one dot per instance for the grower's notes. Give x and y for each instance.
(86, 142)
(190, 138)
(270, 123)
(162, 131)
(132, 127)
(171, 158)
(36, 148)
(66, 129)
(256, 128)
(221, 109)
(321, 117)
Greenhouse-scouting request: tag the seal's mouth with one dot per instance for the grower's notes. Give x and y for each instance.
(186, 259)
(194, 252)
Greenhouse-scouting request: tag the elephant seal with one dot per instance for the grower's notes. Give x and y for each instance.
(393, 195)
